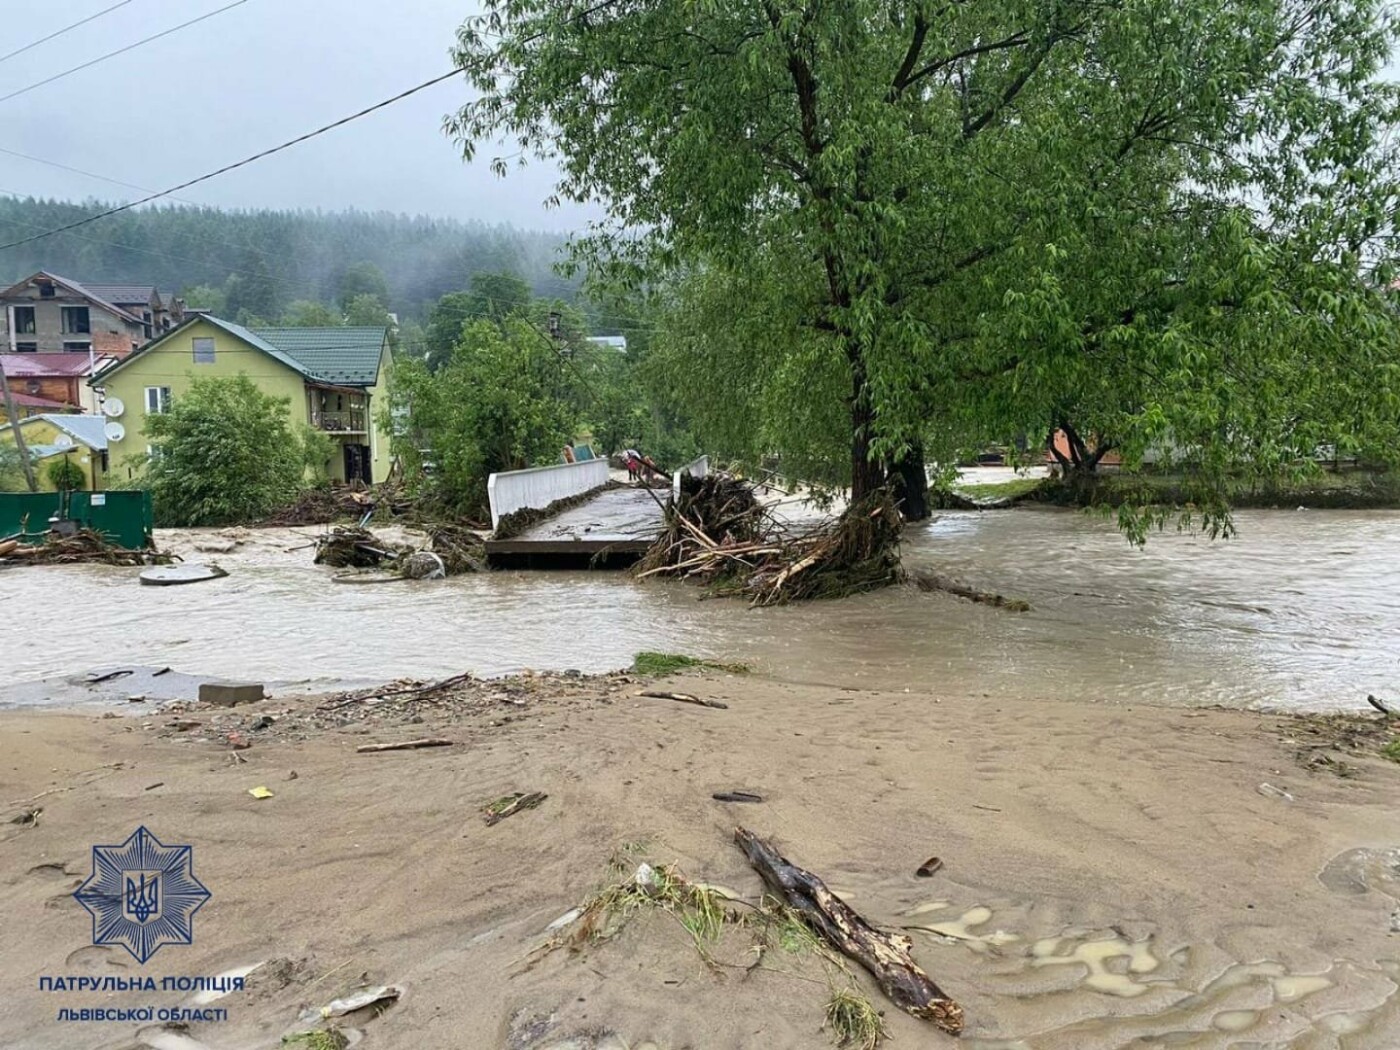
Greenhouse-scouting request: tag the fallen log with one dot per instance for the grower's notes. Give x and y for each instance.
(885, 955)
(404, 745)
(932, 581)
(684, 698)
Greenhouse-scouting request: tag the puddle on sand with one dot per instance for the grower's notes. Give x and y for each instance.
(1359, 871)
(960, 929)
(1095, 957)
(1228, 1005)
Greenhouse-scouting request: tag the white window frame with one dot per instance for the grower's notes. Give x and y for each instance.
(158, 404)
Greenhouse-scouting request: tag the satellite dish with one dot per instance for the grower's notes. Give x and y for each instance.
(114, 431)
(63, 441)
(113, 407)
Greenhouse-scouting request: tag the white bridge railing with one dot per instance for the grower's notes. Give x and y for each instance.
(538, 487)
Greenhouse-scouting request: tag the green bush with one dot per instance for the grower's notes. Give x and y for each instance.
(226, 453)
(65, 475)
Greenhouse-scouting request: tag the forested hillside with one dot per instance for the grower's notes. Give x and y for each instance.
(266, 260)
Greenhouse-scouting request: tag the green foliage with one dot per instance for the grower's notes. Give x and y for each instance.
(1392, 750)
(657, 664)
(872, 225)
(306, 313)
(492, 295)
(363, 278)
(11, 469)
(304, 252)
(367, 310)
(206, 297)
(65, 475)
(503, 401)
(225, 453)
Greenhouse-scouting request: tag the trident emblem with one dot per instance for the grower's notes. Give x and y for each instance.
(143, 896)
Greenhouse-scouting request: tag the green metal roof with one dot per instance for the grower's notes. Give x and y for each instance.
(336, 356)
(348, 356)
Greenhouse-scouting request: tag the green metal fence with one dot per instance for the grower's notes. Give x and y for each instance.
(124, 517)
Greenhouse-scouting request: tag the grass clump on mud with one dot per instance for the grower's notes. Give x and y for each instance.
(320, 1039)
(1392, 750)
(853, 1020)
(658, 664)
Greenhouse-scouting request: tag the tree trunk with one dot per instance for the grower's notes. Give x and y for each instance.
(910, 479)
(867, 474)
(19, 438)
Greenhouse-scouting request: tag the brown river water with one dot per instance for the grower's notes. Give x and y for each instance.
(1302, 610)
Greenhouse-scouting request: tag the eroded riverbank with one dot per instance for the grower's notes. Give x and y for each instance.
(1111, 875)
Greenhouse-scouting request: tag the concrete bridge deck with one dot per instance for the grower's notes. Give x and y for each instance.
(620, 522)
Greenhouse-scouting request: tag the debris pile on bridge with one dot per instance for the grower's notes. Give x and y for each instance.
(83, 547)
(718, 533)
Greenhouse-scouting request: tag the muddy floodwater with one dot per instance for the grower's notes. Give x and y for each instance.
(1301, 610)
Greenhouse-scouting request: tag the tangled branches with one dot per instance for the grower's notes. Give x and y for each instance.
(85, 547)
(721, 535)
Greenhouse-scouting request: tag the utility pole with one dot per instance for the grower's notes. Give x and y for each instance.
(19, 438)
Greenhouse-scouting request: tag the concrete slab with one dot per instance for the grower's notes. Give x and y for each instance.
(618, 521)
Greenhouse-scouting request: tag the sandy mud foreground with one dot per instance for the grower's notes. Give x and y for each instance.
(1111, 877)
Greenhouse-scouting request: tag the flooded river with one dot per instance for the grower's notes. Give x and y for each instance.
(1302, 610)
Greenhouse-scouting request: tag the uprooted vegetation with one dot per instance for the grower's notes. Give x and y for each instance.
(458, 548)
(795, 927)
(719, 534)
(1323, 742)
(83, 547)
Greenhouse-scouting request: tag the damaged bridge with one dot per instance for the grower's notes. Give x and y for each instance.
(587, 520)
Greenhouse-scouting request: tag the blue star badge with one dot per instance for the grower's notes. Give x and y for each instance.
(142, 894)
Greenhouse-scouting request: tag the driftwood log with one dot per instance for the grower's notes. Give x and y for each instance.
(885, 955)
(684, 698)
(404, 745)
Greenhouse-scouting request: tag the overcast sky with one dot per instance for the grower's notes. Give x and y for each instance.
(244, 80)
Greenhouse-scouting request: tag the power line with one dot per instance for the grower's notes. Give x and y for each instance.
(60, 32)
(239, 163)
(120, 51)
(285, 145)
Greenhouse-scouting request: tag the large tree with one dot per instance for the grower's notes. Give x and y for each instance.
(910, 222)
(228, 453)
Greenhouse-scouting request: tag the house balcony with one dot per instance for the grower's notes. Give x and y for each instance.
(350, 421)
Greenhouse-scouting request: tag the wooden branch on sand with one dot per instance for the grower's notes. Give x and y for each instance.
(684, 698)
(885, 955)
(404, 745)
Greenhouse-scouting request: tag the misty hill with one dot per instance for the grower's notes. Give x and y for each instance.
(276, 257)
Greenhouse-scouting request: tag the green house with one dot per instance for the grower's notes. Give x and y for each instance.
(335, 378)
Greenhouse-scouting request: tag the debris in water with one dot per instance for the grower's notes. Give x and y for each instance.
(718, 533)
(173, 575)
(260, 792)
(736, 796)
(84, 546)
